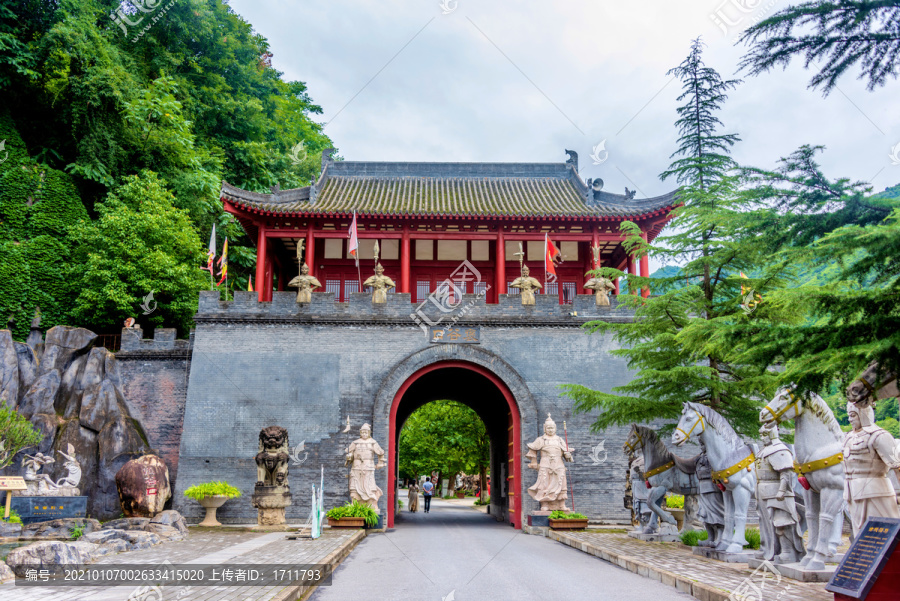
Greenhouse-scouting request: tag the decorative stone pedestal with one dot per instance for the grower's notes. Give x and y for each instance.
(655, 538)
(743, 557)
(797, 572)
(539, 519)
(271, 502)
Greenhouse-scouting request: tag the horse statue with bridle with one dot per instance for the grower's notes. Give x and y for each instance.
(872, 385)
(663, 471)
(732, 463)
(818, 440)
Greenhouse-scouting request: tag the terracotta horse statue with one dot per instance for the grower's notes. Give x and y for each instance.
(732, 463)
(817, 445)
(663, 471)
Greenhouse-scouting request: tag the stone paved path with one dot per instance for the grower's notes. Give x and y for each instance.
(460, 550)
(675, 558)
(205, 547)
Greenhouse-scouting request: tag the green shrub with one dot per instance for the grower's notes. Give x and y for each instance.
(752, 536)
(483, 501)
(13, 517)
(212, 489)
(562, 515)
(692, 537)
(675, 502)
(76, 532)
(354, 510)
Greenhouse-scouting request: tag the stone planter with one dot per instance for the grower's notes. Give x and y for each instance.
(211, 504)
(460, 494)
(678, 514)
(347, 522)
(569, 524)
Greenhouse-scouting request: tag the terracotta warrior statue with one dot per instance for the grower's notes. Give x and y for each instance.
(361, 454)
(603, 287)
(527, 285)
(380, 284)
(775, 493)
(304, 283)
(550, 490)
(712, 502)
(869, 452)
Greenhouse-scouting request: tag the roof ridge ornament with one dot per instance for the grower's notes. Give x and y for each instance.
(573, 159)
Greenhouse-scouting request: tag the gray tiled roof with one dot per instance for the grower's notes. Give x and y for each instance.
(448, 189)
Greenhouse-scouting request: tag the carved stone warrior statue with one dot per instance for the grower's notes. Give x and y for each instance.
(380, 284)
(712, 502)
(603, 287)
(640, 494)
(304, 283)
(775, 493)
(272, 493)
(550, 490)
(361, 455)
(527, 285)
(869, 452)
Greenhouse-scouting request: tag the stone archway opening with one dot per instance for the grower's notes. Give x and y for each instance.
(479, 388)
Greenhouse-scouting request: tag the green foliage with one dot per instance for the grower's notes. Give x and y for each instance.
(76, 532)
(562, 515)
(212, 489)
(483, 501)
(692, 538)
(675, 501)
(140, 243)
(14, 517)
(832, 36)
(444, 436)
(354, 510)
(752, 536)
(16, 434)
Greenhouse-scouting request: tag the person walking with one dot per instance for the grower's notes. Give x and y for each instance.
(427, 491)
(413, 496)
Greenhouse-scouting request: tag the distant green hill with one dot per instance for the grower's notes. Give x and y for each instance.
(889, 193)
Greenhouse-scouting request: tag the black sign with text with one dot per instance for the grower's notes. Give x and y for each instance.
(43, 509)
(866, 558)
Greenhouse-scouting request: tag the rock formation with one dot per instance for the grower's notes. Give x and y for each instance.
(71, 392)
(143, 486)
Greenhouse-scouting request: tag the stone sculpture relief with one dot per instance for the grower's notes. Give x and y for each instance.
(40, 485)
(550, 490)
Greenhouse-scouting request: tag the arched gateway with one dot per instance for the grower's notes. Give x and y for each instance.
(481, 380)
(453, 237)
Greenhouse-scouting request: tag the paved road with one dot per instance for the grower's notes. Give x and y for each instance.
(460, 550)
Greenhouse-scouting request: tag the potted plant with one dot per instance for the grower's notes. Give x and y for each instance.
(212, 495)
(560, 520)
(675, 506)
(460, 493)
(352, 515)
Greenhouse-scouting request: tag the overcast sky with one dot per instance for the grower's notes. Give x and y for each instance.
(521, 81)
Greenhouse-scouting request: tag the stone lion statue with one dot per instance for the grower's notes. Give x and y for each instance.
(272, 459)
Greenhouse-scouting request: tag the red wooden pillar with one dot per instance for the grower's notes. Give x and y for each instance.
(269, 279)
(282, 272)
(629, 265)
(261, 264)
(645, 268)
(500, 260)
(310, 249)
(404, 260)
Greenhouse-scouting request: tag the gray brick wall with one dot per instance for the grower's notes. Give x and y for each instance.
(309, 367)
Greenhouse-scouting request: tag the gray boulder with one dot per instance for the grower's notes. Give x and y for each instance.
(28, 366)
(6, 574)
(8, 530)
(9, 370)
(62, 345)
(127, 524)
(53, 556)
(101, 537)
(61, 528)
(166, 532)
(143, 486)
(170, 517)
(142, 540)
(117, 545)
(41, 395)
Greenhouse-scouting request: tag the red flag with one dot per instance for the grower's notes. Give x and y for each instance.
(223, 263)
(353, 247)
(550, 257)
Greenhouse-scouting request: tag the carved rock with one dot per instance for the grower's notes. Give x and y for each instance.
(98, 404)
(143, 486)
(61, 528)
(119, 442)
(28, 366)
(41, 395)
(62, 344)
(53, 556)
(170, 517)
(47, 424)
(84, 442)
(9, 370)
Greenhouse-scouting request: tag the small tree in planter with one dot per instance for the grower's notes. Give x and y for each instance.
(212, 495)
(560, 520)
(352, 515)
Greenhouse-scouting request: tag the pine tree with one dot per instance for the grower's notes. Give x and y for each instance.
(832, 37)
(674, 340)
